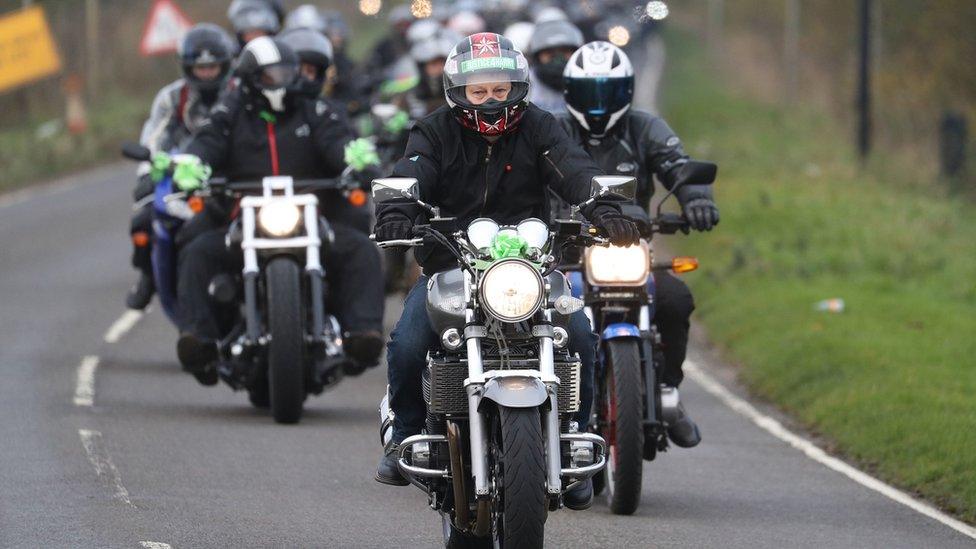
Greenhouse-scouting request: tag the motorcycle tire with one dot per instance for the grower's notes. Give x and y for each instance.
(523, 471)
(624, 426)
(286, 350)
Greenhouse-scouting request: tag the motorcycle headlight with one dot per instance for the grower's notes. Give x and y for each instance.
(616, 266)
(511, 290)
(279, 219)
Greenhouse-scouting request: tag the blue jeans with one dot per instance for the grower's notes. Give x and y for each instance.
(413, 336)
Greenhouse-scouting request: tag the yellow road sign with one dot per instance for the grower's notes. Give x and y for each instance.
(27, 49)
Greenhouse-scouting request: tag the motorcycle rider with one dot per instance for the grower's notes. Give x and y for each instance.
(430, 56)
(343, 84)
(254, 18)
(627, 141)
(267, 127)
(488, 133)
(553, 41)
(178, 111)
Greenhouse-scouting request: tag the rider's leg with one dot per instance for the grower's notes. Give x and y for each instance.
(355, 275)
(406, 355)
(583, 341)
(199, 261)
(140, 229)
(672, 318)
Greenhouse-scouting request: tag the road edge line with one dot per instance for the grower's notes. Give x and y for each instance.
(85, 382)
(122, 325)
(814, 452)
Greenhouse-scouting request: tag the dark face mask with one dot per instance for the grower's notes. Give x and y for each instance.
(551, 73)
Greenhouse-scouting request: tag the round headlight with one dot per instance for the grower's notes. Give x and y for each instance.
(279, 218)
(616, 266)
(511, 290)
(481, 232)
(534, 231)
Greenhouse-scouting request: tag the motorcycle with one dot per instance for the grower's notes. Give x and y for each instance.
(633, 407)
(280, 343)
(499, 449)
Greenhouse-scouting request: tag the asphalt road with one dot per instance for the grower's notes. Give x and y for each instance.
(158, 458)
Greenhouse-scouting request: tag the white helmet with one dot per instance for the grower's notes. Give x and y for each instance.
(422, 30)
(466, 23)
(520, 34)
(599, 86)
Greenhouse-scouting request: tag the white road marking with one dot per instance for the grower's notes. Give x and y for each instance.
(154, 545)
(85, 384)
(813, 452)
(102, 462)
(121, 326)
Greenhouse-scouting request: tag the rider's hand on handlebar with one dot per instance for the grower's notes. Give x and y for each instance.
(393, 226)
(619, 228)
(702, 214)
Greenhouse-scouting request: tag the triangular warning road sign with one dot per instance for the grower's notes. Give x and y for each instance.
(164, 29)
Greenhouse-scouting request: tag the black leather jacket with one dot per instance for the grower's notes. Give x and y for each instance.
(639, 144)
(507, 180)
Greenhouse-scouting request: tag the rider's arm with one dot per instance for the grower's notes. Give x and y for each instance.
(330, 134)
(212, 141)
(662, 150)
(156, 129)
(565, 167)
(422, 162)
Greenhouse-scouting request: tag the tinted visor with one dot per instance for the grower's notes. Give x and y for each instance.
(277, 76)
(599, 97)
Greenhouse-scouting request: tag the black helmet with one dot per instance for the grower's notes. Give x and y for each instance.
(268, 70)
(250, 15)
(548, 35)
(207, 44)
(314, 48)
(486, 57)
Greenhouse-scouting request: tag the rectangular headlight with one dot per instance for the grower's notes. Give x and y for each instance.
(616, 266)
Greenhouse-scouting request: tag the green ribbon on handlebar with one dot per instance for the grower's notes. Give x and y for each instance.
(159, 165)
(506, 246)
(190, 173)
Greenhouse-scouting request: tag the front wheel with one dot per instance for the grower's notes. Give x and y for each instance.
(624, 431)
(520, 523)
(286, 350)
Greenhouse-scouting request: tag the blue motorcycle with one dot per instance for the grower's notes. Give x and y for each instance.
(632, 406)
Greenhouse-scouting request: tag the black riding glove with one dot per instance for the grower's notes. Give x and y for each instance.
(699, 208)
(393, 226)
(619, 228)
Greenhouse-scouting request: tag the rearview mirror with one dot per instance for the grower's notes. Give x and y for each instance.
(694, 172)
(135, 151)
(622, 186)
(394, 188)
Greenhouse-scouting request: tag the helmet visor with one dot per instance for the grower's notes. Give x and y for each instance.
(599, 96)
(277, 76)
(486, 62)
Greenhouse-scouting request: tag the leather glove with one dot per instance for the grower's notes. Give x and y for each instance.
(393, 226)
(619, 228)
(697, 205)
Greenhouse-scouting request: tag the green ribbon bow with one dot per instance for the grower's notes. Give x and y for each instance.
(159, 165)
(508, 246)
(190, 173)
(397, 123)
(360, 154)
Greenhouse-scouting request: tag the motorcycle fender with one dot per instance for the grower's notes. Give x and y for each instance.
(620, 330)
(515, 391)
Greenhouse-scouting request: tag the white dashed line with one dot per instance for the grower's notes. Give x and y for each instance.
(154, 545)
(85, 384)
(813, 452)
(121, 326)
(102, 462)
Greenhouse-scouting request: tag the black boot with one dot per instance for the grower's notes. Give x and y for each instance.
(580, 497)
(141, 293)
(683, 430)
(198, 357)
(387, 471)
(364, 348)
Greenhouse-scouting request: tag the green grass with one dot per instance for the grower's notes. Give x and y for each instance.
(26, 159)
(891, 381)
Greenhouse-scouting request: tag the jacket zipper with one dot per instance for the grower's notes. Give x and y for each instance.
(553, 164)
(273, 145)
(484, 202)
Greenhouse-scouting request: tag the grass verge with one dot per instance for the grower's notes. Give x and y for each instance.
(891, 381)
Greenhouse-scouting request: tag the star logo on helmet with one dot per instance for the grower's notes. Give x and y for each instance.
(486, 46)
